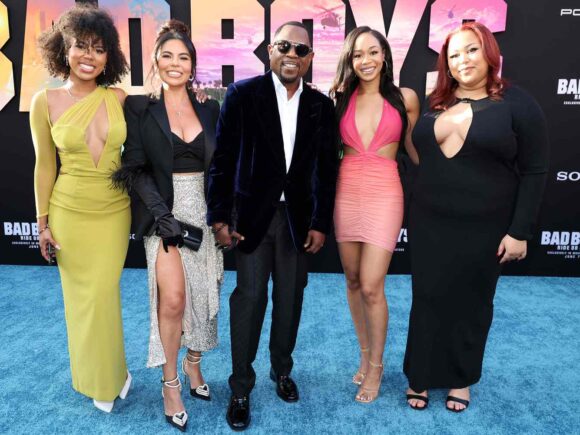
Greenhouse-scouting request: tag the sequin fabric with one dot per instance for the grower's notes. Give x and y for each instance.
(204, 271)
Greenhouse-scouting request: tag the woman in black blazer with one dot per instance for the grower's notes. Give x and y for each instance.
(170, 143)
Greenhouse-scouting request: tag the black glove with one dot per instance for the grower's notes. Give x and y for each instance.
(167, 226)
(169, 229)
(172, 241)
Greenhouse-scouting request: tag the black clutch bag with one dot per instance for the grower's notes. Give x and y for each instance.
(192, 236)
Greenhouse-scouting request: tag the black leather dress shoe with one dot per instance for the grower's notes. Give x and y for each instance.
(285, 387)
(238, 415)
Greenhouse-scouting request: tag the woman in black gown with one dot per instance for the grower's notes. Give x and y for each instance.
(483, 160)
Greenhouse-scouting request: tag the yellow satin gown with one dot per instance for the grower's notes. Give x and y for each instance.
(90, 221)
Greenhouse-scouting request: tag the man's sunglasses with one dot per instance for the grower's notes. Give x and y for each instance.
(284, 47)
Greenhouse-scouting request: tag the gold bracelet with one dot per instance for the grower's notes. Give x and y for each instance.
(45, 228)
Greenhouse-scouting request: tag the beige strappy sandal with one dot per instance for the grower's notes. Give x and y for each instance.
(359, 376)
(366, 395)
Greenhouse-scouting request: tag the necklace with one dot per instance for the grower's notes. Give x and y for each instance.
(72, 96)
(178, 108)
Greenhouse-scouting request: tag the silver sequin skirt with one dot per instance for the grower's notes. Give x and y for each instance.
(204, 271)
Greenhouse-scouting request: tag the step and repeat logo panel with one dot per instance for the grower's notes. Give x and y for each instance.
(229, 35)
(569, 90)
(231, 38)
(22, 235)
(563, 244)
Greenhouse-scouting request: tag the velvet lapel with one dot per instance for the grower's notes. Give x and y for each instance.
(269, 117)
(157, 110)
(308, 116)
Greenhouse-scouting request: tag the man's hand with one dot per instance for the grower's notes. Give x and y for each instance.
(314, 241)
(225, 239)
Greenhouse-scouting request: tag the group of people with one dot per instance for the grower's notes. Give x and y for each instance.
(268, 175)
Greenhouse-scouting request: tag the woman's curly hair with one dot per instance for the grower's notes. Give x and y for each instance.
(83, 21)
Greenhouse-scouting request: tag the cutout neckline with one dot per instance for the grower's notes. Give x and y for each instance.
(85, 128)
(68, 109)
(366, 148)
(464, 140)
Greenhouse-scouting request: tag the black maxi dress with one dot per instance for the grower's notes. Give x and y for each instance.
(460, 210)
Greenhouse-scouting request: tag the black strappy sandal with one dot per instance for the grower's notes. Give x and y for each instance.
(458, 400)
(418, 397)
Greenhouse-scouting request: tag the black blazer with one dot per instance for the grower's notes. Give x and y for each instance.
(147, 169)
(248, 172)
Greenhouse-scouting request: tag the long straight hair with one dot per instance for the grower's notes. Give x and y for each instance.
(443, 95)
(346, 81)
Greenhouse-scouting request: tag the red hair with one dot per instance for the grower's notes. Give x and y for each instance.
(442, 96)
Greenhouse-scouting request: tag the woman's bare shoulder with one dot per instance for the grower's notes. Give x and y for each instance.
(120, 93)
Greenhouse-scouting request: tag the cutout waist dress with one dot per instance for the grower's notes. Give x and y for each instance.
(369, 198)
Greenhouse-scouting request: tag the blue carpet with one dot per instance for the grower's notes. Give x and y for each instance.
(530, 382)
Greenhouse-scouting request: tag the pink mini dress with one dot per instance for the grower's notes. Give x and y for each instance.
(369, 196)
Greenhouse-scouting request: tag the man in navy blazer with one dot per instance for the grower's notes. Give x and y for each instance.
(271, 191)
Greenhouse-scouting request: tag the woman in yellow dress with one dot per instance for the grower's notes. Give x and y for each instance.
(79, 214)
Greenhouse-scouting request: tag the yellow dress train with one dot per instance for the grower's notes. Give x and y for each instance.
(90, 221)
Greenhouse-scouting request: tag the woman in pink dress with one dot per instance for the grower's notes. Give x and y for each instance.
(375, 117)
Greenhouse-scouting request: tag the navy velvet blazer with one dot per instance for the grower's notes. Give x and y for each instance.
(248, 171)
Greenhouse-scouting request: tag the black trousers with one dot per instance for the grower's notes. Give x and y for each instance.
(276, 256)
